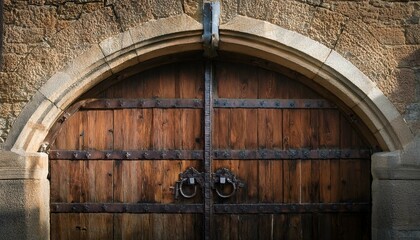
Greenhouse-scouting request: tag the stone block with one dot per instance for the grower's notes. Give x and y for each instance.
(326, 27)
(24, 210)
(395, 209)
(356, 80)
(412, 34)
(387, 35)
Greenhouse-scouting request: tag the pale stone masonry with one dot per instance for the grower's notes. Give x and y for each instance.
(375, 45)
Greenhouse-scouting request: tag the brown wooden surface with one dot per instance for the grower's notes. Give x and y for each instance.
(277, 181)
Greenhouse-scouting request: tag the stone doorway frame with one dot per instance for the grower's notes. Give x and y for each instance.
(178, 34)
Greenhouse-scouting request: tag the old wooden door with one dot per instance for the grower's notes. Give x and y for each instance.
(262, 157)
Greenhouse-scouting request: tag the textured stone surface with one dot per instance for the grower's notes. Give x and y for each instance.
(23, 209)
(396, 209)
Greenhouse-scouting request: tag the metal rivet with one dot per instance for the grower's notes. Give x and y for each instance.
(262, 103)
(107, 155)
(75, 154)
(242, 154)
(88, 155)
(323, 153)
(225, 154)
(127, 155)
(158, 103)
(291, 104)
(347, 154)
(277, 104)
(178, 154)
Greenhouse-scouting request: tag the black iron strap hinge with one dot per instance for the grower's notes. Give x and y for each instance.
(211, 15)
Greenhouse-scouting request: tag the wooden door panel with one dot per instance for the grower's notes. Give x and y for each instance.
(150, 181)
(157, 226)
(71, 226)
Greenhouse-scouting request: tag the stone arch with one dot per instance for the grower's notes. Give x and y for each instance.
(180, 34)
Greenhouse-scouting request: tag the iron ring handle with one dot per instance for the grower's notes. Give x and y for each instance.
(230, 194)
(182, 192)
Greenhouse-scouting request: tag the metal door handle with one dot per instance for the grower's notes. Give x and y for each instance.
(220, 179)
(223, 177)
(190, 177)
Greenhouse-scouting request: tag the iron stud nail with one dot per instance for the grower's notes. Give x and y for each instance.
(262, 103)
(158, 103)
(178, 154)
(277, 104)
(73, 208)
(127, 155)
(75, 154)
(320, 104)
(146, 155)
(57, 154)
(291, 104)
(347, 154)
(141, 103)
(108, 155)
(88, 155)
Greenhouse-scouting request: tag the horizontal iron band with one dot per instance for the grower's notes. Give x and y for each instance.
(327, 154)
(125, 208)
(198, 103)
(142, 103)
(272, 103)
(218, 208)
(292, 208)
(126, 155)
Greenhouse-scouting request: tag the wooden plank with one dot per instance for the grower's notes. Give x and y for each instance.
(81, 226)
(265, 226)
(270, 172)
(190, 81)
(70, 134)
(132, 226)
(132, 129)
(280, 226)
(98, 181)
(329, 137)
(98, 127)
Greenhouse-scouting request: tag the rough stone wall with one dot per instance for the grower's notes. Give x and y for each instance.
(381, 38)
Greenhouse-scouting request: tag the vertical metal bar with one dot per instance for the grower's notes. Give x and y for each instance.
(208, 112)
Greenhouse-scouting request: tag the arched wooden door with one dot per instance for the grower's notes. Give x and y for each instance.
(300, 170)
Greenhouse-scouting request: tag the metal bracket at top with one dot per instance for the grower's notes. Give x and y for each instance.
(211, 15)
